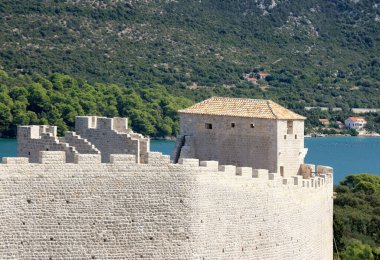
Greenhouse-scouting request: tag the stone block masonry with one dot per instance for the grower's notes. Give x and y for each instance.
(242, 132)
(95, 135)
(99, 193)
(158, 210)
(112, 136)
(33, 139)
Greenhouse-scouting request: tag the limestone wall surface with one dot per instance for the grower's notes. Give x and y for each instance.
(290, 147)
(35, 138)
(112, 136)
(80, 144)
(191, 210)
(231, 140)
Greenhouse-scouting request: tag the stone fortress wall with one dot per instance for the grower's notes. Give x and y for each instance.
(112, 136)
(94, 135)
(150, 208)
(33, 139)
(191, 210)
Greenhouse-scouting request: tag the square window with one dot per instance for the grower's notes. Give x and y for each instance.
(252, 125)
(208, 126)
(232, 125)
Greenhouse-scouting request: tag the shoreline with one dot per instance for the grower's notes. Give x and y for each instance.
(318, 135)
(166, 138)
(305, 136)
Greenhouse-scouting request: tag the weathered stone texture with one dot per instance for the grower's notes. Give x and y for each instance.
(290, 147)
(80, 144)
(240, 145)
(191, 210)
(35, 138)
(258, 143)
(112, 136)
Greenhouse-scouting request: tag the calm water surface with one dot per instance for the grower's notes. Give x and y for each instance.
(8, 147)
(346, 154)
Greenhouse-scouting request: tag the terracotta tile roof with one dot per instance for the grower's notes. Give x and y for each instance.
(356, 118)
(263, 73)
(242, 107)
(323, 120)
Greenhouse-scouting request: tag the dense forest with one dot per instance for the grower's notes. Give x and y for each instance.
(357, 218)
(57, 99)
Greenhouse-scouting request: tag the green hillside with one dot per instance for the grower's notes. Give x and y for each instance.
(318, 52)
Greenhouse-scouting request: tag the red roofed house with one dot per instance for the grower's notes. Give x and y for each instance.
(262, 74)
(356, 123)
(324, 121)
(251, 78)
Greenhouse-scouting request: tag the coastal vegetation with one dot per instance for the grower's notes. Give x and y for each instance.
(357, 217)
(57, 99)
(152, 110)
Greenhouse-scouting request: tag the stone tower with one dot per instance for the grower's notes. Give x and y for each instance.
(243, 132)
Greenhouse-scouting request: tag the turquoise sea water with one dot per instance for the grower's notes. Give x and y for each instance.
(346, 154)
(8, 148)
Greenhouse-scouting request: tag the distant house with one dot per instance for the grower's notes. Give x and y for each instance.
(356, 123)
(339, 124)
(324, 121)
(262, 75)
(250, 78)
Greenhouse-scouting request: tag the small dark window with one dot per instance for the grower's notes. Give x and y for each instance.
(208, 126)
(295, 136)
(252, 125)
(289, 127)
(285, 137)
(232, 125)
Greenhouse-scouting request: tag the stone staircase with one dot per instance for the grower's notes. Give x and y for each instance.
(82, 145)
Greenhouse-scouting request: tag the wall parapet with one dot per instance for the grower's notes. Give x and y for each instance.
(112, 136)
(156, 159)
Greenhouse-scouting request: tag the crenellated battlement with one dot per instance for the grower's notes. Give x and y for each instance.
(102, 123)
(324, 176)
(155, 159)
(36, 131)
(94, 135)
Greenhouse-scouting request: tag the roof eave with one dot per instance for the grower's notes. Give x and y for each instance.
(206, 114)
